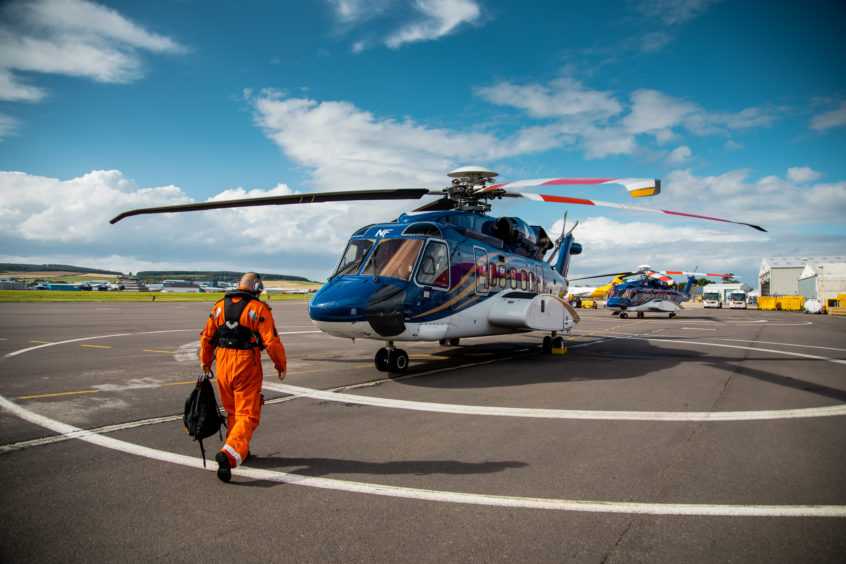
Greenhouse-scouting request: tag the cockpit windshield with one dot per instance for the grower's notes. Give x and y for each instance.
(356, 250)
(394, 258)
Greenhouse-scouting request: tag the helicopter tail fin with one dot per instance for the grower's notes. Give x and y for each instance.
(691, 280)
(569, 247)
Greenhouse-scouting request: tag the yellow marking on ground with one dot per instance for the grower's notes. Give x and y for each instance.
(3, 339)
(43, 342)
(301, 372)
(164, 352)
(95, 346)
(59, 394)
(180, 383)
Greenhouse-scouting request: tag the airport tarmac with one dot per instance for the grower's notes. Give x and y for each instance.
(714, 437)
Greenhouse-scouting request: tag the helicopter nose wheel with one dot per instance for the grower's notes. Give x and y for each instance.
(390, 359)
(624, 315)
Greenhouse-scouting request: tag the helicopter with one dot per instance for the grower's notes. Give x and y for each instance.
(447, 270)
(652, 292)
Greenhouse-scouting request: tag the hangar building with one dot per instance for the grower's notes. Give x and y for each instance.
(823, 280)
(779, 276)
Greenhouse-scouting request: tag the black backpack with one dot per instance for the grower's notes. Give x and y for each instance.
(202, 417)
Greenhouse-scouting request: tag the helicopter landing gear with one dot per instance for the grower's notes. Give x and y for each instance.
(672, 315)
(640, 315)
(552, 343)
(624, 315)
(451, 342)
(391, 359)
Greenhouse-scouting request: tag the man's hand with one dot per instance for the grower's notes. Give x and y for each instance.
(281, 374)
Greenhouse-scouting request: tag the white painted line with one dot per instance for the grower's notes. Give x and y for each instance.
(830, 411)
(688, 509)
(15, 353)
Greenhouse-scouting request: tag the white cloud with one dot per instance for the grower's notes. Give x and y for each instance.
(351, 148)
(802, 174)
(562, 97)
(413, 21)
(439, 18)
(66, 221)
(830, 119)
(679, 156)
(70, 37)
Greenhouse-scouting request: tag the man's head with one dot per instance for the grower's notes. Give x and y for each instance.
(251, 282)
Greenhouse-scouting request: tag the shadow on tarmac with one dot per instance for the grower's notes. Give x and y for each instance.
(615, 360)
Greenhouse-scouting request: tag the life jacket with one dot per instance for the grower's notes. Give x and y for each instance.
(233, 335)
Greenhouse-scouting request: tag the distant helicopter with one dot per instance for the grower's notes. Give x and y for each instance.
(447, 270)
(652, 292)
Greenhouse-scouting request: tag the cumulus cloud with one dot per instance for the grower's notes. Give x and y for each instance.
(679, 156)
(66, 221)
(800, 174)
(70, 37)
(604, 123)
(341, 142)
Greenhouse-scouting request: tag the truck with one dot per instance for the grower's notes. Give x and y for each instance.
(737, 300)
(712, 299)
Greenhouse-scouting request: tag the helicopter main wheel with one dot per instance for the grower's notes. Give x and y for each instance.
(673, 315)
(640, 315)
(547, 345)
(454, 342)
(381, 360)
(624, 315)
(558, 343)
(397, 360)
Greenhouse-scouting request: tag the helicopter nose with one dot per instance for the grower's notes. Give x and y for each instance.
(342, 299)
(358, 299)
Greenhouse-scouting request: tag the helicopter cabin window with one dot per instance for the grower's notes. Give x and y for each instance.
(524, 280)
(434, 266)
(512, 274)
(481, 271)
(356, 250)
(492, 273)
(539, 285)
(503, 276)
(394, 258)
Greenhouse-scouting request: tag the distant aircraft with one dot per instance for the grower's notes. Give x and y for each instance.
(579, 293)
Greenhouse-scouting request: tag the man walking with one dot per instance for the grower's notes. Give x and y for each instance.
(239, 327)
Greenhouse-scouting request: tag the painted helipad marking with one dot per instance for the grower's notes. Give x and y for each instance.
(830, 411)
(680, 509)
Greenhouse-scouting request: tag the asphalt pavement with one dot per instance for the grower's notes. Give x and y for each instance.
(714, 437)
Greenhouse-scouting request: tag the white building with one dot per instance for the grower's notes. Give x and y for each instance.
(724, 290)
(779, 276)
(822, 280)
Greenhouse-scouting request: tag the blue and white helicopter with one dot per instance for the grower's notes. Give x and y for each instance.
(652, 292)
(446, 270)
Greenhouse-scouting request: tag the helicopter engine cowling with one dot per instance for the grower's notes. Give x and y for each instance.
(517, 234)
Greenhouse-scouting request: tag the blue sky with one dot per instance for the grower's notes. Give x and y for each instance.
(739, 107)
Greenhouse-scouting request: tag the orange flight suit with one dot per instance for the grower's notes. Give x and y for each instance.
(239, 373)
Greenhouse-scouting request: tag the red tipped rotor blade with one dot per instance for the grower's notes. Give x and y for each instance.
(582, 201)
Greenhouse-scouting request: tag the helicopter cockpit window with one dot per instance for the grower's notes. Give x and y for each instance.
(394, 258)
(356, 250)
(434, 266)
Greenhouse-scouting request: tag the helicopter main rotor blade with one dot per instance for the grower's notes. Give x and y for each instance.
(566, 200)
(441, 204)
(682, 273)
(637, 187)
(318, 197)
(624, 274)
